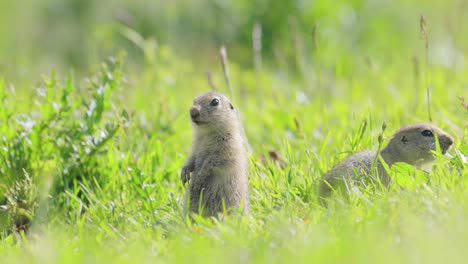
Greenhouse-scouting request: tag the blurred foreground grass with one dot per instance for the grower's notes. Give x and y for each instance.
(90, 159)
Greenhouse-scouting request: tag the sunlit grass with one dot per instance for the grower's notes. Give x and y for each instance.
(100, 157)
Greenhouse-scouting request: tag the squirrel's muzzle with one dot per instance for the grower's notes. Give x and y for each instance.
(194, 112)
(445, 142)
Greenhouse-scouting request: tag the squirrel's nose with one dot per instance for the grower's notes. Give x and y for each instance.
(448, 140)
(194, 112)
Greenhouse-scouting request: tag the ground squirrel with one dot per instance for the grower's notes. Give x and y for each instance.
(217, 167)
(411, 144)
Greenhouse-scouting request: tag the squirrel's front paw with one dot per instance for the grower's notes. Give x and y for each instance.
(185, 174)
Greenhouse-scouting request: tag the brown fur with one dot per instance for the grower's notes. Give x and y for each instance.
(217, 167)
(407, 145)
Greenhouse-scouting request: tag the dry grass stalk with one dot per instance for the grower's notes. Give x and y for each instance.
(225, 65)
(425, 37)
(257, 46)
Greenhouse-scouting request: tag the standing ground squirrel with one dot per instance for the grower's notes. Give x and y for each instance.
(411, 144)
(217, 167)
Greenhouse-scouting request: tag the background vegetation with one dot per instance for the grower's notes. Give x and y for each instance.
(95, 128)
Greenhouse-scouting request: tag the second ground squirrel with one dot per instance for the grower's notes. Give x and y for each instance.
(411, 144)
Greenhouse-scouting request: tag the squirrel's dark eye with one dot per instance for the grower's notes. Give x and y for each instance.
(214, 102)
(427, 133)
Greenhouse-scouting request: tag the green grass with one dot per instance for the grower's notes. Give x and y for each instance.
(90, 166)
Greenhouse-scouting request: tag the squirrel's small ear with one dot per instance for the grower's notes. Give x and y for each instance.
(232, 107)
(404, 139)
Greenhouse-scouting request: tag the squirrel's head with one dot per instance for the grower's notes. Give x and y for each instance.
(213, 110)
(414, 144)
